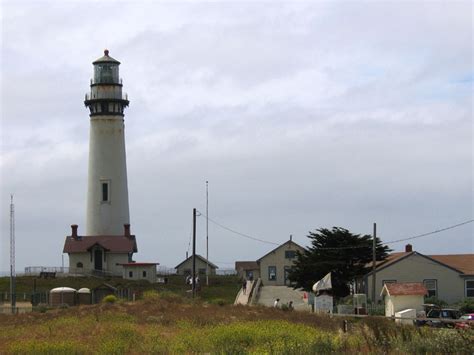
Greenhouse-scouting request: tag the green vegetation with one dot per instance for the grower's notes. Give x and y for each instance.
(109, 299)
(165, 322)
(436, 301)
(223, 288)
(466, 306)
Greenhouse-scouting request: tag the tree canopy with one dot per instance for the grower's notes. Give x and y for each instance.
(338, 251)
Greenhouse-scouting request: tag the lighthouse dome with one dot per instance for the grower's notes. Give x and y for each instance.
(106, 58)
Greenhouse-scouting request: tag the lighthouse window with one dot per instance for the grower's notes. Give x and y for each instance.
(105, 192)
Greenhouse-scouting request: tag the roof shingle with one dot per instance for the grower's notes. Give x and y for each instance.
(405, 289)
(112, 243)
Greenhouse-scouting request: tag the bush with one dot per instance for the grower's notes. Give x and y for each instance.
(151, 295)
(218, 301)
(466, 305)
(109, 299)
(436, 301)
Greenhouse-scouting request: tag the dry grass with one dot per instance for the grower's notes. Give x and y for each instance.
(166, 323)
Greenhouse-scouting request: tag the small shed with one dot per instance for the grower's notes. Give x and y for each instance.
(404, 295)
(84, 296)
(62, 295)
(140, 271)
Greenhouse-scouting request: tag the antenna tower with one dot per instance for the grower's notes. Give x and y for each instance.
(12, 254)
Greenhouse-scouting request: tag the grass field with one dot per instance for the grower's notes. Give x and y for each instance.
(166, 322)
(221, 288)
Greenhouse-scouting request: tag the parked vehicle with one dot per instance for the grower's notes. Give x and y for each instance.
(468, 321)
(439, 317)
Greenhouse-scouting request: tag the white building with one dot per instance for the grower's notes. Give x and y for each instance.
(401, 296)
(140, 271)
(108, 242)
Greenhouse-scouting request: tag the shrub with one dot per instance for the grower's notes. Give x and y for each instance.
(41, 309)
(466, 305)
(109, 299)
(218, 301)
(151, 295)
(436, 301)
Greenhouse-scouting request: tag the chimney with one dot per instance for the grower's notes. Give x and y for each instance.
(408, 248)
(291, 237)
(74, 231)
(126, 228)
(186, 255)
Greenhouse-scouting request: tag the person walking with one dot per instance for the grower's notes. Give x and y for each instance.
(290, 306)
(244, 287)
(276, 303)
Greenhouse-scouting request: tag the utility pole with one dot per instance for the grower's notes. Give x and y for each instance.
(374, 259)
(207, 233)
(194, 253)
(12, 255)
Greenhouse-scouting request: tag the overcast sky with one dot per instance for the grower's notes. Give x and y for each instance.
(301, 115)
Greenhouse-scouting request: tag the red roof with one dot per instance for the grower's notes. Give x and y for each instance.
(140, 264)
(111, 243)
(405, 289)
(461, 262)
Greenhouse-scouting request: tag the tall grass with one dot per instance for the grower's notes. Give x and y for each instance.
(164, 323)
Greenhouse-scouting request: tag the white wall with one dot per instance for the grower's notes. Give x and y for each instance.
(395, 304)
(107, 162)
(137, 272)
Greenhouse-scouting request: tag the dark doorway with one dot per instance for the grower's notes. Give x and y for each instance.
(98, 259)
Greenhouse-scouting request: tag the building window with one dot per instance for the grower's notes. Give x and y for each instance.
(130, 274)
(79, 265)
(432, 287)
(144, 273)
(187, 271)
(272, 273)
(290, 254)
(469, 285)
(202, 271)
(105, 191)
(388, 282)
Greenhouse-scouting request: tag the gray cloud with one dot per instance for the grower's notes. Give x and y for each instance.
(300, 115)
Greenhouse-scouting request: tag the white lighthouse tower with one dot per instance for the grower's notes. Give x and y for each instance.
(108, 243)
(107, 192)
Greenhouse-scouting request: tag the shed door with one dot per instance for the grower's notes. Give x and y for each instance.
(98, 259)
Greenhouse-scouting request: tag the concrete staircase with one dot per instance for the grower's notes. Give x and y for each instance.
(244, 298)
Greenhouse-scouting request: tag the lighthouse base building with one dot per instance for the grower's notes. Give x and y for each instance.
(101, 254)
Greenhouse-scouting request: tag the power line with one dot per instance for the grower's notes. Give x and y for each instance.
(342, 248)
(238, 233)
(429, 233)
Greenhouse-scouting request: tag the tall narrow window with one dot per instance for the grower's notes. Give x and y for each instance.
(105, 191)
(432, 287)
(469, 284)
(272, 273)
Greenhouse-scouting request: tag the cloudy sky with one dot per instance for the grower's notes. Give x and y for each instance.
(301, 115)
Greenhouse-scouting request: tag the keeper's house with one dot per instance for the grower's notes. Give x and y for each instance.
(273, 267)
(101, 254)
(447, 277)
